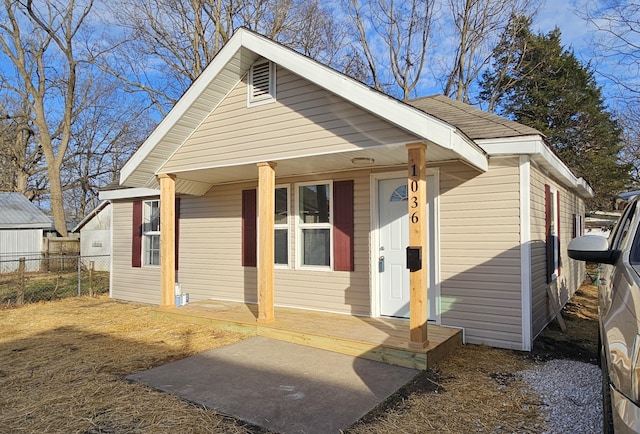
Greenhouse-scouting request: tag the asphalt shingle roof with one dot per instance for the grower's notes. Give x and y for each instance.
(475, 123)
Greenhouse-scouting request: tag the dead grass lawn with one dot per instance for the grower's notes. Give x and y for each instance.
(63, 363)
(476, 389)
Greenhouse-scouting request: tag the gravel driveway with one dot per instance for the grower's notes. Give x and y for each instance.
(572, 394)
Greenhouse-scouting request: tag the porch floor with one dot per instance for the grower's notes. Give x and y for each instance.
(380, 339)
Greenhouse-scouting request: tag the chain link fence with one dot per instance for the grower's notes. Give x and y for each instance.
(31, 279)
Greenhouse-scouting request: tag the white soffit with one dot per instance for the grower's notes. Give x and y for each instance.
(227, 69)
(541, 154)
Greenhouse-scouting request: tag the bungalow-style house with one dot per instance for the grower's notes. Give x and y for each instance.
(279, 181)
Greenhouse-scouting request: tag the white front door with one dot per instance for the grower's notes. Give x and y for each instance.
(393, 233)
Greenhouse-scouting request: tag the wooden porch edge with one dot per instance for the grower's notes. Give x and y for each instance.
(364, 350)
(387, 353)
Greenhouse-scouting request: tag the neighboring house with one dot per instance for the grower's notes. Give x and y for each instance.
(325, 158)
(21, 232)
(95, 236)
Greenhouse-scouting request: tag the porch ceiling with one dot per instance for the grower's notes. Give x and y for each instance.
(199, 180)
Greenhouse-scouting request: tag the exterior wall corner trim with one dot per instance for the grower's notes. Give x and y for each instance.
(525, 251)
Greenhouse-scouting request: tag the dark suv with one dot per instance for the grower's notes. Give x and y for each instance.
(619, 306)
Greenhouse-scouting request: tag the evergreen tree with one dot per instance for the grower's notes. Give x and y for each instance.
(534, 80)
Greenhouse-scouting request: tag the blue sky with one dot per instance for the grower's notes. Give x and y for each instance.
(575, 30)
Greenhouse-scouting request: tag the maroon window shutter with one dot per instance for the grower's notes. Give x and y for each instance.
(177, 228)
(343, 226)
(574, 217)
(249, 228)
(548, 238)
(558, 233)
(136, 235)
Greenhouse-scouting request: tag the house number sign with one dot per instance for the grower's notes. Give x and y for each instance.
(416, 189)
(414, 194)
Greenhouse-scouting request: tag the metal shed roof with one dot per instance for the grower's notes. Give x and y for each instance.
(16, 212)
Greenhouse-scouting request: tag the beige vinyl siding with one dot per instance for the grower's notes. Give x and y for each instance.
(211, 246)
(305, 118)
(128, 283)
(211, 249)
(571, 272)
(480, 252)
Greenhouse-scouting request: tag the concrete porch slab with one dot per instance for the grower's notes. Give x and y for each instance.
(280, 386)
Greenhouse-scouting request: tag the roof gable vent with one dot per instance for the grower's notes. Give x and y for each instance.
(262, 84)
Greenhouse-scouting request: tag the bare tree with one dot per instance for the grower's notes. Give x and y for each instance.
(313, 31)
(630, 121)
(393, 38)
(477, 28)
(617, 40)
(616, 46)
(160, 47)
(21, 166)
(40, 41)
(104, 137)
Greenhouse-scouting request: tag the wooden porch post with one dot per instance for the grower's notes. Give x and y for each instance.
(266, 217)
(167, 241)
(417, 192)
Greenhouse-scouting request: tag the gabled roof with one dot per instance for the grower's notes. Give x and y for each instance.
(16, 212)
(475, 123)
(227, 70)
(102, 205)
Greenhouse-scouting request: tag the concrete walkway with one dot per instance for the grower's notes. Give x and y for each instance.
(280, 386)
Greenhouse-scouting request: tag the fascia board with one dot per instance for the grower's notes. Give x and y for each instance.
(386, 107)
(181, 107)
(36, 225)
(585, 187)
(128, 193)
(406, 117)
(91, 215)
(539, 151)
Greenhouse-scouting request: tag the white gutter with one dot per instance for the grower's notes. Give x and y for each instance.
(541, 153)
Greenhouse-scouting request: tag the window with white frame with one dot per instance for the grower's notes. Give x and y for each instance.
(262, 84)
(314, 224)
(281, 225)
(151, 232)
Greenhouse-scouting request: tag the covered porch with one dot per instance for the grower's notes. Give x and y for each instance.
(415, 333)
(381, 339)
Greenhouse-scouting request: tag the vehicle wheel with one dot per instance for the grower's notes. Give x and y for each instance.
(607, 416)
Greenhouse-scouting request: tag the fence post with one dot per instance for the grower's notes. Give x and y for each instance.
(79, 278)
(91, 267)
(21, 268)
